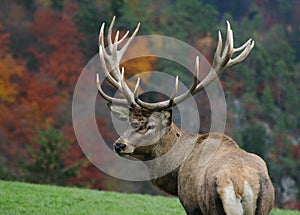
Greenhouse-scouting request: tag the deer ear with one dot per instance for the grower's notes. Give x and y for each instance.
(119, 111)
(167, 117)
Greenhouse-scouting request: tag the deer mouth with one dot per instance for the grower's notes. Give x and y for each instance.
(123, 149)
(129, 156)
(124, 153)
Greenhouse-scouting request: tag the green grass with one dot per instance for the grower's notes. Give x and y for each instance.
(22, 198)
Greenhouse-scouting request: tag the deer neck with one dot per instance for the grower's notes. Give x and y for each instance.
(161, 147)
(167, 141)
(169, 154)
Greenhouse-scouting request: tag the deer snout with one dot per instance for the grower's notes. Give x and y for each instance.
(119, 146)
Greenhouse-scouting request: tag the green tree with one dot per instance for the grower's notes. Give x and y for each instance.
(89, 17)
(133, 12)
(269, 109)
(57, 4)
(292, 100)
(235, 7)
(179, 22)
(116, 6)
(254, 138)
(281, 161)
(48, 158)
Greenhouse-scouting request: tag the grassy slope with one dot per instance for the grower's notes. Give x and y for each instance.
(21, 198)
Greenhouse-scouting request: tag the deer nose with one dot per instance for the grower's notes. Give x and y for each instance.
(119, 146)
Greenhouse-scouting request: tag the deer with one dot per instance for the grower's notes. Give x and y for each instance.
(214, 175)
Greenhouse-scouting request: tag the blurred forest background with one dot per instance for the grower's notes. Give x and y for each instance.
(44, 45)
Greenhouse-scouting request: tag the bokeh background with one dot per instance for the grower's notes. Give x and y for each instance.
(45, 44)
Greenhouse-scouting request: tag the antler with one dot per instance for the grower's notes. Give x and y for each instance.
(116, 78)
(222, 60)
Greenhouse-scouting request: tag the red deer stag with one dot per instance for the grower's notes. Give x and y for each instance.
(215, 176)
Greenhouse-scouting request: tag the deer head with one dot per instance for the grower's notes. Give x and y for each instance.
(145, 129)
(149, 123)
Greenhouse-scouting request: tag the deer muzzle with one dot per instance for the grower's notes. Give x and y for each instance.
(119, 146)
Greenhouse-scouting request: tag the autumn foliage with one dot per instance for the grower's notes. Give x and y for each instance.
(45, 44)
(57, 51)
(32, 94)
(36, 87)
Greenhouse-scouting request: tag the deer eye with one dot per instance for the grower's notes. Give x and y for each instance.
(140, 128)
(151, 127)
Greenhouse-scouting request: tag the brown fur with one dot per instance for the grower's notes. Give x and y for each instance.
(209, 172)
(209, 165)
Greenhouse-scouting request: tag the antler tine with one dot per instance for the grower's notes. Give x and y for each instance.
(101, 41)
(101, 35)
(228, 49)
(116, 38)
(217, 56)
(126, 91)
(118, 42)
(174, 93)
(243, 46)
(107, 97)
(124, 48)
(103, 52)
(222, 60)
(116, 55)
(173, 100)
(103, 66)
(191, 90)
(136, 88)
(116, 78)
(247, 48)
(109, 35)
(123, 38)
(146, 105)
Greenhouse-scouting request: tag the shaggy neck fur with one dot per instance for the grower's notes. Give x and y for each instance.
(167, 154)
